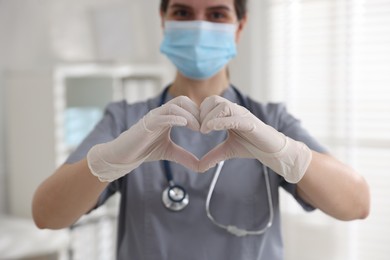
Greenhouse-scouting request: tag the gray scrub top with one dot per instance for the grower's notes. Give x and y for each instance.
(149, 231)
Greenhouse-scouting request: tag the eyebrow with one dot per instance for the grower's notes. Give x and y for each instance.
(217, 7)
(179, 6)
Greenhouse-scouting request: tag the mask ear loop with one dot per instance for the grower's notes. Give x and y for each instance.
(231, 228)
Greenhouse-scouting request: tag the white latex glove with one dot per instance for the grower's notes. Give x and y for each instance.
(147, 140)
(249, 137)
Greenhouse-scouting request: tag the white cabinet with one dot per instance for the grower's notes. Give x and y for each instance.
(83, 90)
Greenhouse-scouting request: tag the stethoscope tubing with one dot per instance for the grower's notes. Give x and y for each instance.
(231, 228)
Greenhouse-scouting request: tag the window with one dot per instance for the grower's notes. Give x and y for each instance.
(330, 61)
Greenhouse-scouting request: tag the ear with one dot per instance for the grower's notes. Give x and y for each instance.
(240, 28)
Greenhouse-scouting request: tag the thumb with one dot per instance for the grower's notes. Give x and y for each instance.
(220, 153)
(179, 155)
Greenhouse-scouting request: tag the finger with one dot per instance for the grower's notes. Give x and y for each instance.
(174, 109)
(163, 121)
(190, 106)
(225, 115)
(226, 123)
(154, 118)
(208, 105)
(221, 110)
(187, 104)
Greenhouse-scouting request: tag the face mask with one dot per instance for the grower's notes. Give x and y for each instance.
(199, 49)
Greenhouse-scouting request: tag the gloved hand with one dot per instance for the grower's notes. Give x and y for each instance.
(147, 140)
(249, 137)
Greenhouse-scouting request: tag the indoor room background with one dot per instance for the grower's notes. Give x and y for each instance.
(62, 61)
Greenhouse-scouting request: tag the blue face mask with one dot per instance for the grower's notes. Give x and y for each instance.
(199, 49)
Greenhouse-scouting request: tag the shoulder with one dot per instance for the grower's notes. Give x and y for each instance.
(271, 113)
(126, 114)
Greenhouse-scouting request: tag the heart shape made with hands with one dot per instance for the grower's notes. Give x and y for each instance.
(248, 137)
(215, 114)
(150, 140)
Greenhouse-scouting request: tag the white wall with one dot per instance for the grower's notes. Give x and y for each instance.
(30, 139)
(3, 191)
(26, 59)
(248, 69)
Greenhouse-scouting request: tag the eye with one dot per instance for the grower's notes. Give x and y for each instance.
(217, 16)
(181, 14)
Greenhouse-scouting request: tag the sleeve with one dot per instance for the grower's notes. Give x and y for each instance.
(108, 128)
(277, 116)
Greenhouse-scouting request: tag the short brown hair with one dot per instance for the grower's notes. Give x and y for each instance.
(239, 5)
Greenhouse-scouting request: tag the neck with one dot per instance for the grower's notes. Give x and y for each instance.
(198, 90)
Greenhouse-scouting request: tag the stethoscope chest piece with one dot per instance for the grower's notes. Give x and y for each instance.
(175, 197)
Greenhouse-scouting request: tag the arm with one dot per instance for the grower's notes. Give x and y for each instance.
(65, 196)
(322, 181)
(75, 188)
(334, 188)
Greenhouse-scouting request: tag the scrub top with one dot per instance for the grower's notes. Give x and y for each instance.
(149, 231)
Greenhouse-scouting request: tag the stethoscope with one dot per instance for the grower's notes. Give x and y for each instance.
(176, 198)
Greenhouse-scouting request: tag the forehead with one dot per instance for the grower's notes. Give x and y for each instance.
(199, 4)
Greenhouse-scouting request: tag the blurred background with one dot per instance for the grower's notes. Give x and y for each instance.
(62, 61)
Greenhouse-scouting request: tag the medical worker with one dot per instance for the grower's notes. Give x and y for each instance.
(199, 166)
